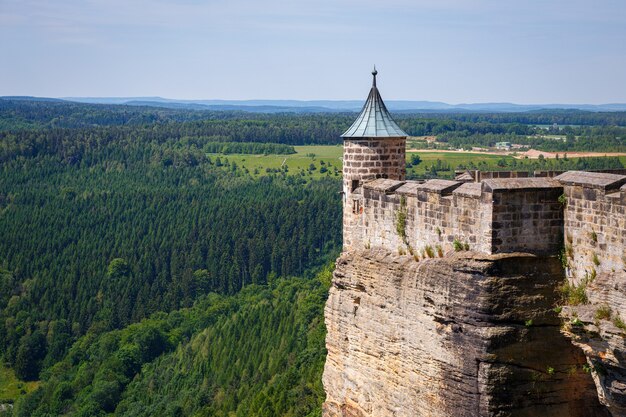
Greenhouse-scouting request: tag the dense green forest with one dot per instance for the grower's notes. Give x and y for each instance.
(259, 353)
(92, 247)
(102, 227)
(250, 148)
(39, 126)
(141, 276)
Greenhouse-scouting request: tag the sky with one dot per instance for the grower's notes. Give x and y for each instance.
(455, 51)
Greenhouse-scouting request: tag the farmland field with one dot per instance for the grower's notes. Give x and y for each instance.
(325, 160)
(12, 388)
(329, 157)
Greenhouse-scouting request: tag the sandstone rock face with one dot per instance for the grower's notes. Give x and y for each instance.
(464, 335)
(598, 328)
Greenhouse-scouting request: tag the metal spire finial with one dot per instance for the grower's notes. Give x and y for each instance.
(374, 74)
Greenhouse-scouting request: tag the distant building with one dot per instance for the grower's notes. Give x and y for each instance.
(506, 146)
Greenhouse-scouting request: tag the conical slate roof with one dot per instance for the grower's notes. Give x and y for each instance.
(374, 120)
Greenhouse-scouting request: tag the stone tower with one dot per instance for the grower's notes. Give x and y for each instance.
(373, 147)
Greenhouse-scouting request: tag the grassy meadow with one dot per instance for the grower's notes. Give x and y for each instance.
(300, 163)
(327, 161)
(12, 388)
(316, 161)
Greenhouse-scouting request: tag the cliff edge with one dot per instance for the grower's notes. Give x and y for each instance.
(467, 334)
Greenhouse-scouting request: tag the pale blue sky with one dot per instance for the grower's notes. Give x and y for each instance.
(523, 51)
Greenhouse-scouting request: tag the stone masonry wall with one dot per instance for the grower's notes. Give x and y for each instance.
(527, 215)
(367, 159)
(495, 216)
(364, 160)
(595, 222)
(437, 213)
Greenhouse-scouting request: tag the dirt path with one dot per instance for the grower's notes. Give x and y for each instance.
(530, 154)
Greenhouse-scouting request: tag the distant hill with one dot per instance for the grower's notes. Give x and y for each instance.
(31, 98)
(305, 106)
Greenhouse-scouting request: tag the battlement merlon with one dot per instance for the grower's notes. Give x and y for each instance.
(594, 222)
(496, 215)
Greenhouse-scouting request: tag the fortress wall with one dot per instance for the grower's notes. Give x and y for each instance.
(595, 222)
(369, 158)
(437, 213)
(378, 222)
(495, 216)
(472, 217)
(527, 216)
(366, 159)
(445, 211)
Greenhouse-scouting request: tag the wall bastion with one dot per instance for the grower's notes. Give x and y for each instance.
(581, 215)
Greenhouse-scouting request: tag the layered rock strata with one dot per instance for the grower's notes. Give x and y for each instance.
(465, 335)
(598, 327)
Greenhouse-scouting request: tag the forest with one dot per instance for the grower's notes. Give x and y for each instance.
(260, 352)
(140, 275)
(39, 125)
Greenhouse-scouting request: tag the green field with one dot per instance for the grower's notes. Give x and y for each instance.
(330, 157)
(295, 164)
(12, 388)
(326, 161)
(453, 160)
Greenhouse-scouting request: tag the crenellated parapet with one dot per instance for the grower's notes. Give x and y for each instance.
(493, 216)
(594, 222)
(581, 213)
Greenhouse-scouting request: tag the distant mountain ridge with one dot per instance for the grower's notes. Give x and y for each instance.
(317, 106)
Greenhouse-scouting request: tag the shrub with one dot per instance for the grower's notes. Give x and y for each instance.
(603, 313)
(439, 251)
(619, 323)
(595, 259)
(429, 251)
(458, 246)
(574, 294)
(563, 258)
(401, 219)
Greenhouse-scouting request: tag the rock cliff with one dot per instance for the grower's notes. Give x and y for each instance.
(598, 327)
(468, 334)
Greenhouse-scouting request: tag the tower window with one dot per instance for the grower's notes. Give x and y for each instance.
(355, 185)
